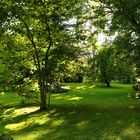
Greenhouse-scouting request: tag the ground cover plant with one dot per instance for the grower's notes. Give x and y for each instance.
(86, 112)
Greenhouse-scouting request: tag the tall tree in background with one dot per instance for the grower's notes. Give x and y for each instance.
(102, 67)
(122, 17)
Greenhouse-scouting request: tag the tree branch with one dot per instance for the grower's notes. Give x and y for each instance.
(30, 36)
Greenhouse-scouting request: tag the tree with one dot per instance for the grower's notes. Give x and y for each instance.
(103, 66)
(125, 68)
(124, 19)
(110, 63)
(41, 39)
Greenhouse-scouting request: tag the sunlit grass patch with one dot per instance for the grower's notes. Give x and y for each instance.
(29, 136)
(131, 132)
(24, 110)
(75, 98)
(82, 124)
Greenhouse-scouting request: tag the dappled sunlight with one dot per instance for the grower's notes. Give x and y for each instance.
(93, 113)
(32, 135)
(33, 120)
(58, 97)
(25, 110)
(72, 113)
(40, 120)
(82, 124)
(65, 87)
(2, 93)
(128, 131)
(57, 122)
(55, 95)
(73, 122)
(16, 126)
(132, 132)
(98, 114)
(110, 136)
(131, 107)
(67, 97)
(93, 86)
(28, 121)
(81, 87)
(74, 98)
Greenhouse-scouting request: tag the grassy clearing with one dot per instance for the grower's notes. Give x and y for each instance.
(84, 113)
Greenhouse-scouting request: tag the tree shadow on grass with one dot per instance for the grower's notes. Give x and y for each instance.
(80, 123)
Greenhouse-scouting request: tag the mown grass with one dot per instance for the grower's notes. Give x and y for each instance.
(85, 112)
(9, 99)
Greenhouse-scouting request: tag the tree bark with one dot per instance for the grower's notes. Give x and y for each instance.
(42, 97)
(108, 84)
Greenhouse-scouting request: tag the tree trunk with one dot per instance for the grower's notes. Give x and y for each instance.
(43, 101)
(42, 97)
(108, 84)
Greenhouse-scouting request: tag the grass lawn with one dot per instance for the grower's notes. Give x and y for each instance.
(84, 113)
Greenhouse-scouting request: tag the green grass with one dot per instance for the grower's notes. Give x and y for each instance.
(84, 113)
(9, 99)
